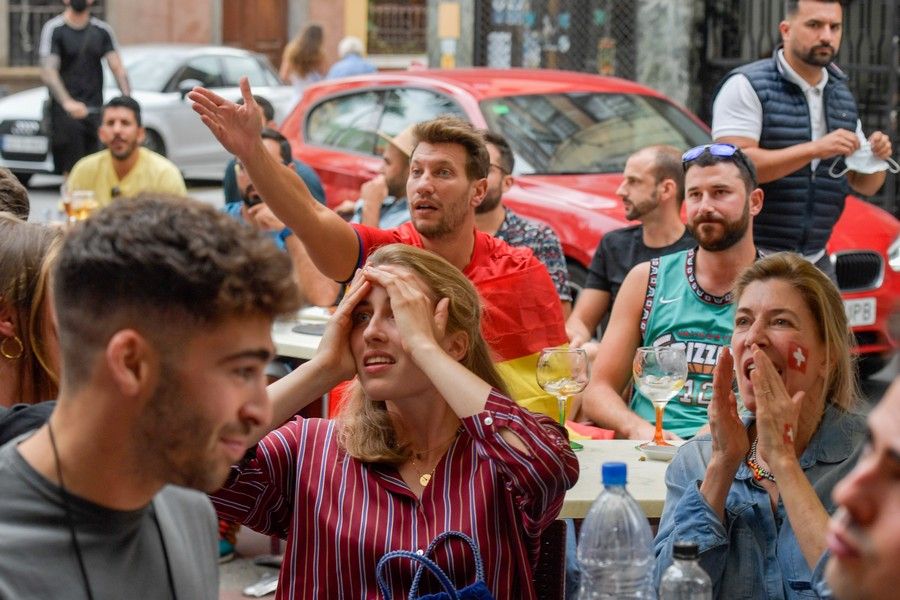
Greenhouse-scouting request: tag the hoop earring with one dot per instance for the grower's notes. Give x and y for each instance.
(6, 353)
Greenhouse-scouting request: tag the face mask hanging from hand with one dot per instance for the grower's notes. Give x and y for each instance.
(863, 161)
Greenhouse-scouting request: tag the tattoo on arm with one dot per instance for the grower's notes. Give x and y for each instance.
(50, 75)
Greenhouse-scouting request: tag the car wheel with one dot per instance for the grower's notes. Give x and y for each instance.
(577, 278)
(869, 364)
(23, 178)
(153, 141)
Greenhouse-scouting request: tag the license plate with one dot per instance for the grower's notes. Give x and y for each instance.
(860, 311)
(25, 144)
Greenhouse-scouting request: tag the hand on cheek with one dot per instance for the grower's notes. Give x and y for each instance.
(777, 413)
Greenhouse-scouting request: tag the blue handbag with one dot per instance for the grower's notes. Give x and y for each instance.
(473, 591)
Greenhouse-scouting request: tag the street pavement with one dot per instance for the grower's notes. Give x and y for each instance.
(243, 571)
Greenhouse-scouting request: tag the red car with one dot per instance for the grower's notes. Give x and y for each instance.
(571, 134)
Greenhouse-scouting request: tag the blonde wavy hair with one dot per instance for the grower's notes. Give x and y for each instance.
(366, 431)
(27, 254)
(824, 302)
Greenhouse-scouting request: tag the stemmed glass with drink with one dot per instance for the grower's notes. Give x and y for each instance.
(563, 372)
(659, 374)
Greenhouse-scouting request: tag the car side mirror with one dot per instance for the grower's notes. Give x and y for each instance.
(187, 85)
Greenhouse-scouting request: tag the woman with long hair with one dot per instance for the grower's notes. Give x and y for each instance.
(29, 353)
(303, 60)
(755, 493)
(429, 442)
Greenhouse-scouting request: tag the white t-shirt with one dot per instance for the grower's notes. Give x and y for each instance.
(737, 110)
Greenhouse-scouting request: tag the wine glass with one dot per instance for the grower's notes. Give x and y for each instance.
(659, 374)
(563, 372)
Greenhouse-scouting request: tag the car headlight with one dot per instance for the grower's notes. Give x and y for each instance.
(894, 254)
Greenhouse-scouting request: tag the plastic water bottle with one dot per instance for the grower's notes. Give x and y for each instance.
(615, 550)
(685, 579)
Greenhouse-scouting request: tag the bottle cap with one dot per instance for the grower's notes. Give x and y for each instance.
(685, 550)
(614, 473)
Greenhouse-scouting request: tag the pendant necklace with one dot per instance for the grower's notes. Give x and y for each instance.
(425, 478)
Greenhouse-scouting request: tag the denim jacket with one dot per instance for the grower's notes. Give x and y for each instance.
(754, 553)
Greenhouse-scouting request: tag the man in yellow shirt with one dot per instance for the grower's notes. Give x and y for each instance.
(125, 168)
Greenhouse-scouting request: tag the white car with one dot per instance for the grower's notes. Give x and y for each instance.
(160, 75)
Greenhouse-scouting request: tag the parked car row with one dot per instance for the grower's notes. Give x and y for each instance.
(571, 134)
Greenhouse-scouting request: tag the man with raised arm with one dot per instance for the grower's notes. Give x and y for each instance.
(447, 180)
(681, 299)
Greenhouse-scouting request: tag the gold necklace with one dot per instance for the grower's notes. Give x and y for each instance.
(425, 478)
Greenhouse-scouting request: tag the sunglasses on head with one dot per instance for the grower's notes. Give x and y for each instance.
(721, 151)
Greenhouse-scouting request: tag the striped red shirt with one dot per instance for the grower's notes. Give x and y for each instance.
(340, 515)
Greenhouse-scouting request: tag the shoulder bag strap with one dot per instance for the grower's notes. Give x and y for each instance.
(479, 564)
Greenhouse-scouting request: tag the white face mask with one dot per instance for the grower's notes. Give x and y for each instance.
(863, 161)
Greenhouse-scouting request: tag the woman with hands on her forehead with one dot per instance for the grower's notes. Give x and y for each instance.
(755, 493)
(428, 442)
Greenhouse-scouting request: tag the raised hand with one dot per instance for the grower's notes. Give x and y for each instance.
(334, 349)
(237, 127)
(777, 413)
(729, 436)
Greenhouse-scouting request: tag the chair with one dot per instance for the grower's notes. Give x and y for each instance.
(550, 573)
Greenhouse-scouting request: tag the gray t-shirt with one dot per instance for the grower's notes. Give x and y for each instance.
(124, 552)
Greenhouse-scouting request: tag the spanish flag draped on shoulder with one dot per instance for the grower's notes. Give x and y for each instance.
(522, 310)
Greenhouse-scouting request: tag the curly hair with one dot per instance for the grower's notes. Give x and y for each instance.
(162, 266)
(366, 430)
(824, 302)
(13, 195)
(27, 250)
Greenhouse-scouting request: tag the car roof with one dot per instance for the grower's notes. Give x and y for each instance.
(483, 83)
(183, 49)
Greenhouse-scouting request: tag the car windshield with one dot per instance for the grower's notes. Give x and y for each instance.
(586, 132)
(146, 72)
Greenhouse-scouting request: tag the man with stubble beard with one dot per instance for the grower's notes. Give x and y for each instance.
(125, 168)
(796, 119)
(492, 217)
(682, 299)
(652, 192)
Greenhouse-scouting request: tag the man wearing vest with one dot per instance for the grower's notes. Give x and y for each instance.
(796, 119)
(681, 299)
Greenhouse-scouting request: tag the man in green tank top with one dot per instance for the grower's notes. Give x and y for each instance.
(681, 299)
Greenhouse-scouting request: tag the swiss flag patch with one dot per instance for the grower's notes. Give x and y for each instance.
(798, 356)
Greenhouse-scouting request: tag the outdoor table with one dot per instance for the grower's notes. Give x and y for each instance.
(646, 478)
(291, 344)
